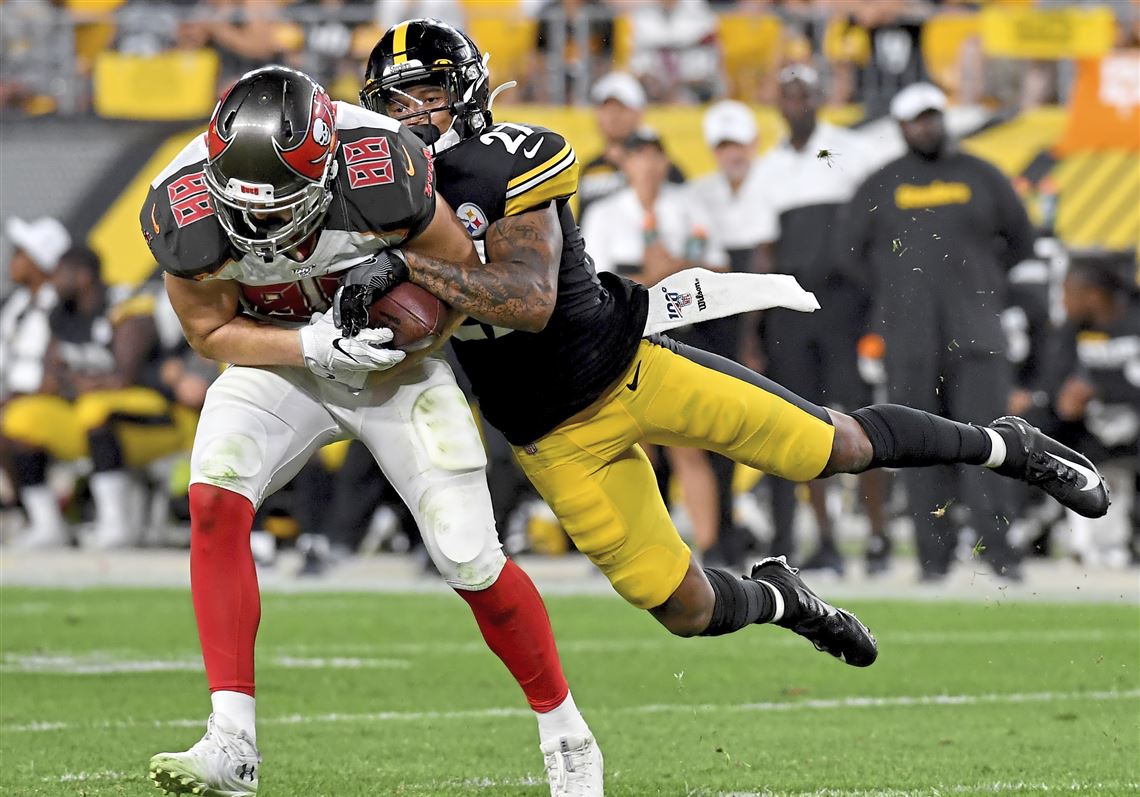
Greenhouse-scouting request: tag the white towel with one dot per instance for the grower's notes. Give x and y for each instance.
(698, 294)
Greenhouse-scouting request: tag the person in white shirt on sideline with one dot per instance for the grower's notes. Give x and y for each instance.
(646, 231)
(730, 196)
(809, 176)
(24, 331)
(619, 102)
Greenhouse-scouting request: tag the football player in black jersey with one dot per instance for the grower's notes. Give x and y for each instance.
(557, 360)
(256, 222)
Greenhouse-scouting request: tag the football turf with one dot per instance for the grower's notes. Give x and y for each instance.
(384, 694)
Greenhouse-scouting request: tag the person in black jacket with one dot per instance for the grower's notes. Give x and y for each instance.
(935, 233)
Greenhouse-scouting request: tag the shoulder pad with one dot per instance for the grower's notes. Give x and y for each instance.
(385, 181)
(178, 221)
(545, 168)
(351, 117)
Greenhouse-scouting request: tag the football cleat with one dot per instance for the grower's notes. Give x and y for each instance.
(830, 629)
(222, 764)
(1038, 459)
(573, 766)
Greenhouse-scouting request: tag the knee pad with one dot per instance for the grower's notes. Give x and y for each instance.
(458, 528)
(446, 429)
(233, 461)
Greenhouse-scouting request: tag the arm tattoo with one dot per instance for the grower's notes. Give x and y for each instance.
(517, 286)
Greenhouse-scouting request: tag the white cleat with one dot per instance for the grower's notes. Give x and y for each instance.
(573, 766)
(223, 763)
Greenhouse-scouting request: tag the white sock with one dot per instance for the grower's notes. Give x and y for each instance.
(562, 721)
(114, 506)
(42, 506)
(239, 708)
(997, 448)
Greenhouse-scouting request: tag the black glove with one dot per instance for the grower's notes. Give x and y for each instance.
(363, 284)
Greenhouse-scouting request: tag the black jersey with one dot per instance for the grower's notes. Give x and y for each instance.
(383, 194)
(528, 383)
(85, 344)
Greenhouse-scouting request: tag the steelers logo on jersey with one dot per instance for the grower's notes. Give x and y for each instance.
(473, 218)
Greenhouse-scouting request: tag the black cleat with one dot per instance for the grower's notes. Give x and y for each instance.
(1038, 459)
(831, 630)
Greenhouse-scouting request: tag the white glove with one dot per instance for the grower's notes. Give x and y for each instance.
(329, 355)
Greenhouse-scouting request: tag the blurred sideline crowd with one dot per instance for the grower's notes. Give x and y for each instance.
(973, 311)
(61, 55)
(100, 392)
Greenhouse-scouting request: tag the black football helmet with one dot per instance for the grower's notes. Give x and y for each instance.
(421, 52)
(270, 159)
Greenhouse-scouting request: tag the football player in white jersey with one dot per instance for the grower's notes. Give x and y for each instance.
(256, 222)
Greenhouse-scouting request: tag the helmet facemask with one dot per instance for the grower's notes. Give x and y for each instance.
(392, 91)
(271, 160)
(262, 224)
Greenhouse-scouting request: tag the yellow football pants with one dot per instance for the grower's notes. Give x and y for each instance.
(146, 425)
(598, 481)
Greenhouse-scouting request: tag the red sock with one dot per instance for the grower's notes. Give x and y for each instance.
(513, 619)
(223, 583)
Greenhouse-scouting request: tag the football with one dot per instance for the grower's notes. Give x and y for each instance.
(415, 316)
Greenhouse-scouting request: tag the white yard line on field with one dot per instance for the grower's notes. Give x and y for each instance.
(942, 789)
(98, 664)
(664, 640)
(102, 774)
(652, 708)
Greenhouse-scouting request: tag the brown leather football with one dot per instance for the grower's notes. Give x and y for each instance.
(415, 316)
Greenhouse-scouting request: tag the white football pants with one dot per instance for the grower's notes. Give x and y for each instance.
(259, 426)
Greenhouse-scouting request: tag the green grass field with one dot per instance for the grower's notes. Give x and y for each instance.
(375, 694)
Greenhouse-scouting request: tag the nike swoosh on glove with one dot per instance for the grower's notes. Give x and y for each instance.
(365, 283)
(330, 355)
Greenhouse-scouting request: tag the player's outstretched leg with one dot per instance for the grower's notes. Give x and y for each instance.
(223, 763)
(227, 606)
(904, 437)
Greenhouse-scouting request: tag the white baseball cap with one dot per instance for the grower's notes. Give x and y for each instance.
(44, 240)
(915, 99)
(729, 120)
(620, 86)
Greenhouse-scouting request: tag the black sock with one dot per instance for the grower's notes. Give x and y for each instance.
(739, 602)
(106, 453)
(903, 437)
(29, 467)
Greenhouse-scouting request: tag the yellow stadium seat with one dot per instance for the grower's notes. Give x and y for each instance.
(750, 45)
(942, 40)
(364, 38)
(845, 43)
(499, 28)
(171, 86)
(91, 38)
(623, 41)
(288, 37)
(91, 8)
